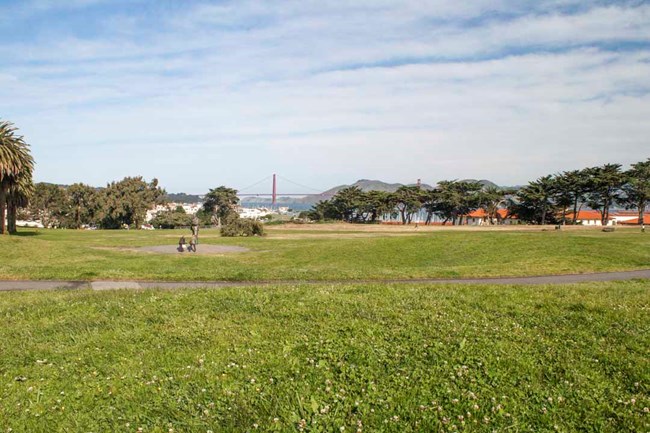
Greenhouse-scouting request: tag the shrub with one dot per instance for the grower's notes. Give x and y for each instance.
(171, 219)
(235, 226)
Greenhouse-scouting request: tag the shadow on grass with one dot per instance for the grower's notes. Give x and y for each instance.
(25, 234)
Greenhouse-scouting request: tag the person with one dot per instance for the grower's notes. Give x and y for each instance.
(181, 244)
(195, 231)
(192, 246)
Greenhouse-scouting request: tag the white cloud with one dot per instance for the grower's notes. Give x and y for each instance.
(286, 89)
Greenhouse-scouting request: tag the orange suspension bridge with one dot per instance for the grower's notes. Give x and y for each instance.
(244, 192)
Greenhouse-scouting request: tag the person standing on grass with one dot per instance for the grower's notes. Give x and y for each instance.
(181, 244)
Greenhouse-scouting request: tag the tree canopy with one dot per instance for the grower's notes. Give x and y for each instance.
(16, 168)
(221, 202)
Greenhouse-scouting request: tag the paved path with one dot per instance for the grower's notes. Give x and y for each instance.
(110, 285)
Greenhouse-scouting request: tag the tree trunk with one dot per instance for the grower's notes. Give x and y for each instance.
(575, 210)
(544, 216)
(605, 215)
(11, 218)
(641, 209)
(3, 203)
(403, 215)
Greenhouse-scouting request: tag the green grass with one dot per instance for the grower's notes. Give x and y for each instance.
(394, 358)
(321, 255)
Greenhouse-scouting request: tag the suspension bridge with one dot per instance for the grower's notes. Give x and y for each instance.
(245, 192)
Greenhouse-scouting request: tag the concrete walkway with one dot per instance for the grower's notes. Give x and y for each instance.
(111, 285)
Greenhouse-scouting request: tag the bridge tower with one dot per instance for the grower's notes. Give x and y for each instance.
(275, 190)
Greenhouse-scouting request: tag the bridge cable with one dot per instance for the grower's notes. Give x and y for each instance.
(300, 185)
(266, 179)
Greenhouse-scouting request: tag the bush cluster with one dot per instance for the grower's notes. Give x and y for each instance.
(236, 226)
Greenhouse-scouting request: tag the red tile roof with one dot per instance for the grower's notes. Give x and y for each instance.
(480, 213)
(635, 221)
(586, 215)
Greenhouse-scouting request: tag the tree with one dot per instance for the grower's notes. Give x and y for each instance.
(377, 203)
(491, 199)
(16, 162)
(451, 200)
(570, 189)
(126, 202)
(347, 203)
(48, 204)
(18, 196)
(83, 203)
(221, 202)
(636, 190)
(604, 185)
(408, 200)
(169, 219)
(534, 202)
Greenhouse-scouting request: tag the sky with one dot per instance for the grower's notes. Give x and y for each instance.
(206, 93)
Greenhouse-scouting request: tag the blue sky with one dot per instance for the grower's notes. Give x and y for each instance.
(200, 94)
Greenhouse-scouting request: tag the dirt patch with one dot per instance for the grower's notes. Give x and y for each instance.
(201, 249)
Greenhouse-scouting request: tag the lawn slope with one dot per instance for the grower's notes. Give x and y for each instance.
(394, 358)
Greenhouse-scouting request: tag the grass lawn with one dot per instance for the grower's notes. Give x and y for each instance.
(328, 358)
(322, 253)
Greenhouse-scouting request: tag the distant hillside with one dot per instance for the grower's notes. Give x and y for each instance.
(486, 183)
(363, 184)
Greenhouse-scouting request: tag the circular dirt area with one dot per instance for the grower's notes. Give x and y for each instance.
(200, 249)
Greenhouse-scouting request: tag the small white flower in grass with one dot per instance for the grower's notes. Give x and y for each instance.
(256, 425)
(646, 410)
(276, 419)
(342, 428)
(633, 400)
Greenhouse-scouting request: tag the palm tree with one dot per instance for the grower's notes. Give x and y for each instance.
(18, 196)
(15, 162)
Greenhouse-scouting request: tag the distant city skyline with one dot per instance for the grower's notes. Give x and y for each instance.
(200, 94)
